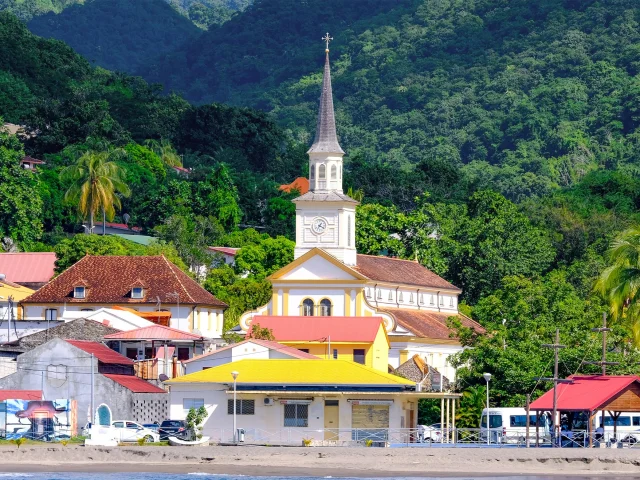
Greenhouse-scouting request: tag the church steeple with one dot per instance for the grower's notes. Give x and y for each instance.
(325, 155)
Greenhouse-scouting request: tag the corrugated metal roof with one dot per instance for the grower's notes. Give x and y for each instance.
(586, 393)
(20, 395)
(135, 384)
(318, 329)
(103, 353)
(35, 267)
(155, 332)
(292, 352)
(294, 372)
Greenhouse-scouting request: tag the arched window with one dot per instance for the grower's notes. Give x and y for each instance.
(390, 295)
(411, 298)
(379, 294)
(441, 301)
(368, 293)
(451, 302)
(421, 299)
(334, 172)
(400, 297)
(322, 171)
(325, 307)
(340, 171)
(431, 300)
(348, 230)
(307, 307)
(312, 172)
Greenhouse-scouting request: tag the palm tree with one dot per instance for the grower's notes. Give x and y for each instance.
(96, 182)
(620, 282)
(165, 151)
(471, 404)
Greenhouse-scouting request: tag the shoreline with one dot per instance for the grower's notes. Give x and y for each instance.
(335, 462)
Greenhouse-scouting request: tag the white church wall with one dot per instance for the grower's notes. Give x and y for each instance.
(336, 296)
(317, 268)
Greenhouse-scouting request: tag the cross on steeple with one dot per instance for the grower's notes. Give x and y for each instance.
(327, 39)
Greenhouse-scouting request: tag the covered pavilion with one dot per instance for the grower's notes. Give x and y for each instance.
(592, 394)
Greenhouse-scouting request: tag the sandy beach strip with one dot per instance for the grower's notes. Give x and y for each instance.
(323, 461)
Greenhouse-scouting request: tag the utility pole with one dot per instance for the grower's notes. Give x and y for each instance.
(92, 393)
(603, 362)
(556, 348)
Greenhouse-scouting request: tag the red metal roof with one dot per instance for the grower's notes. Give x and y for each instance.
(103, 353)
(226, 250)
(135, 384)
(319, 329)
(585, 393)
(154, 332)
(20, 395)
(36, 267)
(292, 352)
(119, 226)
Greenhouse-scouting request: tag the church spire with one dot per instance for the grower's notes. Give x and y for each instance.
(326, 140)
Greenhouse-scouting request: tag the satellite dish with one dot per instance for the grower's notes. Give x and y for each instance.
(2, 276)
(162, 377)
(126, 218)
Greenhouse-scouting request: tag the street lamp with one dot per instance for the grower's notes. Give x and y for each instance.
(487, 377)
(234, 374)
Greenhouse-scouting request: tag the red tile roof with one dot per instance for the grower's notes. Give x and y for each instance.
(28, 267)
(20, 395)
(225, 250)
(32, 160)
(396, 270)
(120, 226)
(424, 323)
(154, 332)
(103, 353)
(109, 279)
(586, 392)
(135, 384)
(318, 329)
(290, 351)
(301, 184)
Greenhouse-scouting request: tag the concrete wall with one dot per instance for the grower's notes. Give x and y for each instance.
(7, 366)
(23, 328)
(272, 417)
(33, 374)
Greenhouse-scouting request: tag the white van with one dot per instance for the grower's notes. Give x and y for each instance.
(627, 426)
(509, 425)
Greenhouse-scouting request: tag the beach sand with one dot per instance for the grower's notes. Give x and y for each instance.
(323, 461)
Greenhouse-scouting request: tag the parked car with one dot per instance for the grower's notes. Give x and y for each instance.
(151, 426)
(429, 433)
(126, 431)
(174, 428)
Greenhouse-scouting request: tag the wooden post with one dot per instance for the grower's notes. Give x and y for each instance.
(590, 428)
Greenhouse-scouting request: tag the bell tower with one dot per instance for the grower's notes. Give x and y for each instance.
(325, 216)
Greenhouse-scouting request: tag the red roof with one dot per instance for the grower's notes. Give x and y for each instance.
(301, 184)
(103, 353)
(585, 393)
(109, 279)
(397, 270)
(154, 332)
(290, 351)
(135, 384)
(37, 267)
(120, 226)
(20, 395)
(429, 324)
(319, 329)
(32, 160)
(225, 250)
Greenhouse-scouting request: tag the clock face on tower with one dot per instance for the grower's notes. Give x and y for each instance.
(319, 226)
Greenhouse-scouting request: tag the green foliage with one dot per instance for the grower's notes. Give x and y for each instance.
(27, 9)
(469, 411)
(195, 419)
(260, 333)
(264, 258)
(70, 250)
(20, 210)
(117, 34)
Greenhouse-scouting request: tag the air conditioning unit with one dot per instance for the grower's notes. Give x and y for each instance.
(268, 402)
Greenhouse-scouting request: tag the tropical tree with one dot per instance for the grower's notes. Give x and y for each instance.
(96, 181)
(165, 151)
(620, 282)
(471, 404)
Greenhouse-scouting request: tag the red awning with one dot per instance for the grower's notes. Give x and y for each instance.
(586, 393)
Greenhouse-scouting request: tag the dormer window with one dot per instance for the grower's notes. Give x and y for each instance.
(137, 292)
(78, 292)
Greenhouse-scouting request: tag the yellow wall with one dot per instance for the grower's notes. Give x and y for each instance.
(380, 351)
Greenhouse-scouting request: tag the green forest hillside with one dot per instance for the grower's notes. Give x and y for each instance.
(118, 34)
(521, 96)
(27, 9)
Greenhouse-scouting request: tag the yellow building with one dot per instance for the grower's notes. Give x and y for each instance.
(362, 340)
(11, 294)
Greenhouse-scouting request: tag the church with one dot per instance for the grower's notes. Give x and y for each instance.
(328, 278)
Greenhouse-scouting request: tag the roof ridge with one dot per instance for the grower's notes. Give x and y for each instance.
(391, 258)
(171, 267)
(56, 277)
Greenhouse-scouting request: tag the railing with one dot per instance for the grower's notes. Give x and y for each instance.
(152, 368)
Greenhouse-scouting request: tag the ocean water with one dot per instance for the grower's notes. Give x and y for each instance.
(207, 476)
